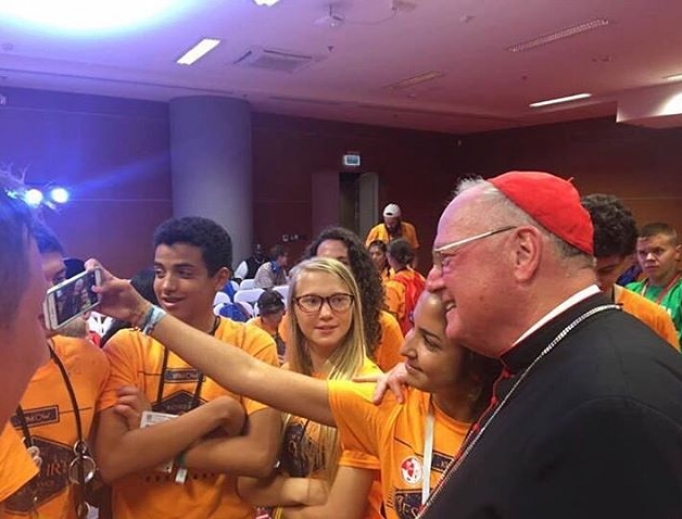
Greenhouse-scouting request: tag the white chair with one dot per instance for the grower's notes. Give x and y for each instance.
(246, 284)
(221, 297)
(248, 309)
(250, 295)
(284, 291)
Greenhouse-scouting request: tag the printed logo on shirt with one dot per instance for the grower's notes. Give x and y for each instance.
(407, 503)
(50, 482)
(411, 470)
(299, 441)
(177, 403)
(38, 416)
(181, 375)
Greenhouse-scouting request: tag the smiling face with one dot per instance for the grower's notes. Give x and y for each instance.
(183, 286)
(324, 330)
(433, 361)
(471, 277)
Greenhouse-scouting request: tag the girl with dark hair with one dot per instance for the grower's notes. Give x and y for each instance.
(377, 251)
(406, 284)
(413, 442)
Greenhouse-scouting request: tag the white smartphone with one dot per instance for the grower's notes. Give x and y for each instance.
(71, 298)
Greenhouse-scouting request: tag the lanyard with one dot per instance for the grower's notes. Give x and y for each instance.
(82, 468)
(664, 292)
(428, 454)
(196, 397)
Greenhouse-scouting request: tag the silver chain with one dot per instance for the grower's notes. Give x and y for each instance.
(563, 333)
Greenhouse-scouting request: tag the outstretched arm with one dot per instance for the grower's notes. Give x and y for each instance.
(229, 366)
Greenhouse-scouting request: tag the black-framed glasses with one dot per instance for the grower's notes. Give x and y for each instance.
(311, 303)
(440, 254)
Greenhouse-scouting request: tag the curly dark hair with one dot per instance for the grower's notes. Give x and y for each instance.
(366, 276)
(214, 241)
(400, 250)
(615, 229)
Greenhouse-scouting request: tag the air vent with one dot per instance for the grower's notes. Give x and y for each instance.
(276, 60)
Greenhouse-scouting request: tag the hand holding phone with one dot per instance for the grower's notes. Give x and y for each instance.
(71, 298)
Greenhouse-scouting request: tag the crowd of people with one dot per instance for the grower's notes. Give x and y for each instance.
(517, 379)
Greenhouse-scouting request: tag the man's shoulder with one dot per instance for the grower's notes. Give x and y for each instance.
(636, 304)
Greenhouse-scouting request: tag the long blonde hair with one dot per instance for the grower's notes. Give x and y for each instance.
(343, 364)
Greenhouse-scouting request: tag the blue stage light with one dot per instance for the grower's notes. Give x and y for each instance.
(33, 197)
(59, 195)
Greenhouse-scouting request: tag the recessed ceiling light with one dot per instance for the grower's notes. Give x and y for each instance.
(198, 51)
(674, 77)
(416, 80)
(85, 15)
(559, 35)
(558, 100)
(267, 3)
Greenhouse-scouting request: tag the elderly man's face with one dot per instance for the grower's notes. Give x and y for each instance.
(467, 279)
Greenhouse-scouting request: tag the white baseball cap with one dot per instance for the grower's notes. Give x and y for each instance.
(392, 210)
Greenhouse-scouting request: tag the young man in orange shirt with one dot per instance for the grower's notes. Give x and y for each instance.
(57, 411)
(393, 227)
(192, 262)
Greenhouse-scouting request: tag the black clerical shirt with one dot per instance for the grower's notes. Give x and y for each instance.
(594, 430)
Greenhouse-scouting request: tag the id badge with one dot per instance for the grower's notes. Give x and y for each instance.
(150, 418)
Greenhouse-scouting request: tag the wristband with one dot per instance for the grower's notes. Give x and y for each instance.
(180, 459)
(151, 319)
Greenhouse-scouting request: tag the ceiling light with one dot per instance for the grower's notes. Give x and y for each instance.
(674, 77)
(267, 3)
(559, 35)
(416, 80)
(558, 100)
(86, 15)
(199, 50)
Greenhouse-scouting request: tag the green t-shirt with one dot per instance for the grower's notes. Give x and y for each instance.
(671, 300)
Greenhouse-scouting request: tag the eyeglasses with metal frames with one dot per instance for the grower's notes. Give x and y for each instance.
(445, 251)
(312, 303)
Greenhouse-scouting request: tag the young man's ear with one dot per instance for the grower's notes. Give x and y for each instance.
(222, 276)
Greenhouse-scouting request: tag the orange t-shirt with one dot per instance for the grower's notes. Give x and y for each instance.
(301, 431)
(379, 232)
(137, 360)
(401, 294)
(387, 352)
(648, 312)
(16, 465)
(395, 434)
(51, 421)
